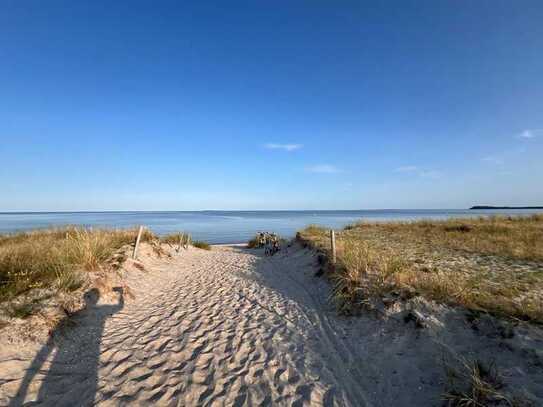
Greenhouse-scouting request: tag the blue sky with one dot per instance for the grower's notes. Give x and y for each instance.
(270, 105)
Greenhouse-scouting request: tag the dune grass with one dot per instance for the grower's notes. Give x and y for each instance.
(184, 239)
(485, 264)
(519, 237)
(56, 258)
(201, 245)
(474, 383)
(179, 238)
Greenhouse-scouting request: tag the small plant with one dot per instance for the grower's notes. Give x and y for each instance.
(471, 383)
(201, 245)
(69, 280)
(22, 310)
(179, 238)
(25, 307)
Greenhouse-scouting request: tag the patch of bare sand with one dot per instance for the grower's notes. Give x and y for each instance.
(231, 327)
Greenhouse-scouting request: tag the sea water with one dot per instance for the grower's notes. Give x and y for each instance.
(228, 226)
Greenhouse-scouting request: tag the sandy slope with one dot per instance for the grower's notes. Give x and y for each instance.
(231, 327)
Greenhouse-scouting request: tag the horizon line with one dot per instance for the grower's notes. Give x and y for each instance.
(225, 210)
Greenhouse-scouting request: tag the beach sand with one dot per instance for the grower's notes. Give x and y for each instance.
(232, 327)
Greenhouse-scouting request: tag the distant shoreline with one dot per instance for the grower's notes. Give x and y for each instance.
(505, 207)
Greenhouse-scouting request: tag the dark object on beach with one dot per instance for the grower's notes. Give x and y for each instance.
(416, 317)
(319, 272)
(321, 259)
(272, 248)
(458, 228)
(505, 207)
(270, 242)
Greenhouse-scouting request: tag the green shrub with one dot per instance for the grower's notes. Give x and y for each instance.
(201, 245)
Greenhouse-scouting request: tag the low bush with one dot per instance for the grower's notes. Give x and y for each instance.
(201, 245)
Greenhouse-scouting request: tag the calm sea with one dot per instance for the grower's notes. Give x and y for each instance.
(227, 226)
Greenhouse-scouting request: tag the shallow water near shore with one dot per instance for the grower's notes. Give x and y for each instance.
(229, 226)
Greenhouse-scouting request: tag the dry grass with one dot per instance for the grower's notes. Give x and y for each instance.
(179, 239)
(56, 258)
(184, 239)
(516, 237)
(471, 383)
(201, 245)
(493, 265)
(364, 273)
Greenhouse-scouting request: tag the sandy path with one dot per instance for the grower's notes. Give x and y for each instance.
(206, 328)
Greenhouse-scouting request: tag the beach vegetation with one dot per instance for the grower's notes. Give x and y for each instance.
(201, 245)
(490, 264)
(57, 258)
(178, 238)
(472, 383)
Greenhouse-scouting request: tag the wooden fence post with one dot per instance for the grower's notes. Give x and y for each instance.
(140, 231)
(333, 244)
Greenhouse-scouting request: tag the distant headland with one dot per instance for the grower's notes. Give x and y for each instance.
(505, 207)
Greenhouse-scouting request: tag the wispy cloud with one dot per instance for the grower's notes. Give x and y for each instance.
(285, 147)
(493, 160)
(528, 134)
(324, 169)
(407, 168)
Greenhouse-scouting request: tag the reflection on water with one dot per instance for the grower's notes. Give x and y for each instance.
(228, 226)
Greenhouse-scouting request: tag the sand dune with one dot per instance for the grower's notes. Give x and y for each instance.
(230, 327)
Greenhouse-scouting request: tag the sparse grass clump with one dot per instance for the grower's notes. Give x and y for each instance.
(201, 245)
(56, 258)
(22, 310)
(472, 383)
(486, 264)
(179, 238)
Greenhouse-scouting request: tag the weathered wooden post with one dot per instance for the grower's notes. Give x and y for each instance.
(140, 231)
(333, 244)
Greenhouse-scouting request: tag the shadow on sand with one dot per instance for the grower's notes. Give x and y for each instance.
(72, 374)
